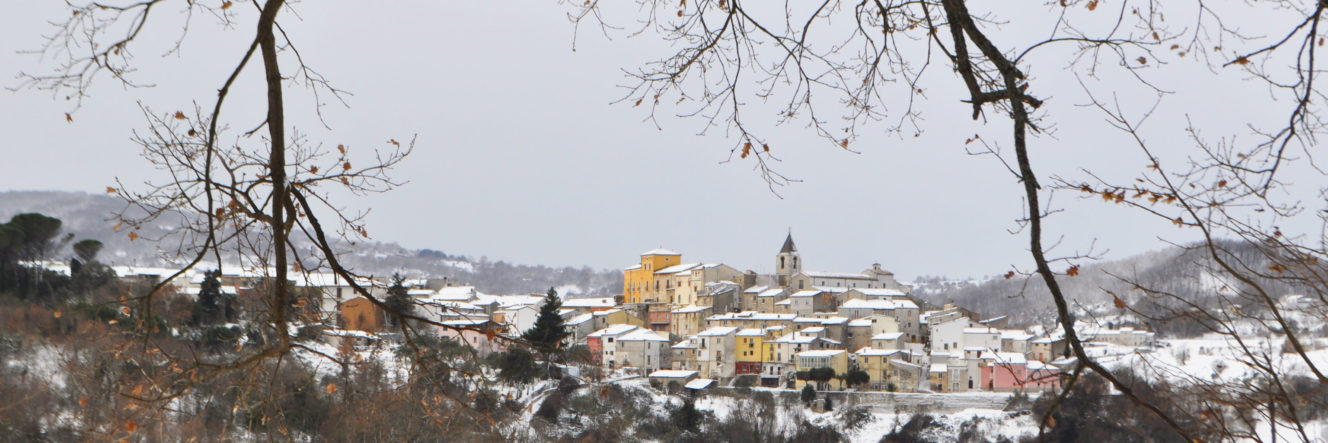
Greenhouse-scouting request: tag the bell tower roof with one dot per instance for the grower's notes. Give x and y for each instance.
(788, 245)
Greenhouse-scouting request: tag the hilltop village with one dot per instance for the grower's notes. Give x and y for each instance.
(702, 324)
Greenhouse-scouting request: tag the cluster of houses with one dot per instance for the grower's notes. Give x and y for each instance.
(699, 324)
(710, 322)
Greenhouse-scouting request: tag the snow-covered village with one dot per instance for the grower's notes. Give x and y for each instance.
(663, 221)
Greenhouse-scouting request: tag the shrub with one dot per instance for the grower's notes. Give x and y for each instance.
(219, 338)
(913, 430)
(856, 377)
(856, 417)
(744, 381)
(517, 365)
(808, 393)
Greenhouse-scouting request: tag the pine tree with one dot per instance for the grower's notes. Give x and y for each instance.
(549, 332)
(209, 308)
(398, 299)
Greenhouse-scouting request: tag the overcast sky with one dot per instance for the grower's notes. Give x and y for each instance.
(521, 156)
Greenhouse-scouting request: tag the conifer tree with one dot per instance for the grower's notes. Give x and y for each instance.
(398, 299)
(549, 331)
(209, 302)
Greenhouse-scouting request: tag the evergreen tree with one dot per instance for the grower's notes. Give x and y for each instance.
(87, 250)
(208, 308)
(808, 393)
(549, 332)
(398, 299)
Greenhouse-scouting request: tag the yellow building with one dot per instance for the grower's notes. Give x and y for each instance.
(749, 353)
(639, 284)
(889, 369)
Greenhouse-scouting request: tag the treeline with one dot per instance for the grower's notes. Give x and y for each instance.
(27, 241)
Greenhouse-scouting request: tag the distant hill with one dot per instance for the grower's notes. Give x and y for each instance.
(93, 216)
(1026, 301)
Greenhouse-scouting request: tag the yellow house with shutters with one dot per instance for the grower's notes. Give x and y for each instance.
(750, 351)
(639, 284)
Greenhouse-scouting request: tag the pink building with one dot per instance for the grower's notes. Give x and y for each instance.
(1008, 371)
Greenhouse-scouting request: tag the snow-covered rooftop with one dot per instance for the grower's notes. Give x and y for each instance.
(751, 332)
(613, 330)
(691, 309)
(873, 352)
(593, 302)
(880, 292)
(821, 353)
(677, 268)
(888, 336)
(718, 331)
(643, 335)
(841, 275)
(660, 251)
(700, 383)
(672, 373)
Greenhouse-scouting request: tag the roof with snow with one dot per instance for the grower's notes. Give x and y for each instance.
(822, 353)
(612, 330)
(677, 268)
(643, 335)
(1005, 358)
(592, 302)
(839, 275)
(880, 305)
(579, 319)
(860, 323)
(698, 384)
(632, 268)
(718, 331)
(672, 373)
(888, 336)
(772, 292)
(806, 293)
(756, 289)
(873, 352)
(835, 320)
(691, 309)
(751, 332)
(455, 293)
(795, 338)
(660, 251)
(1011, 334)
(880, 292)
(751, 315)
